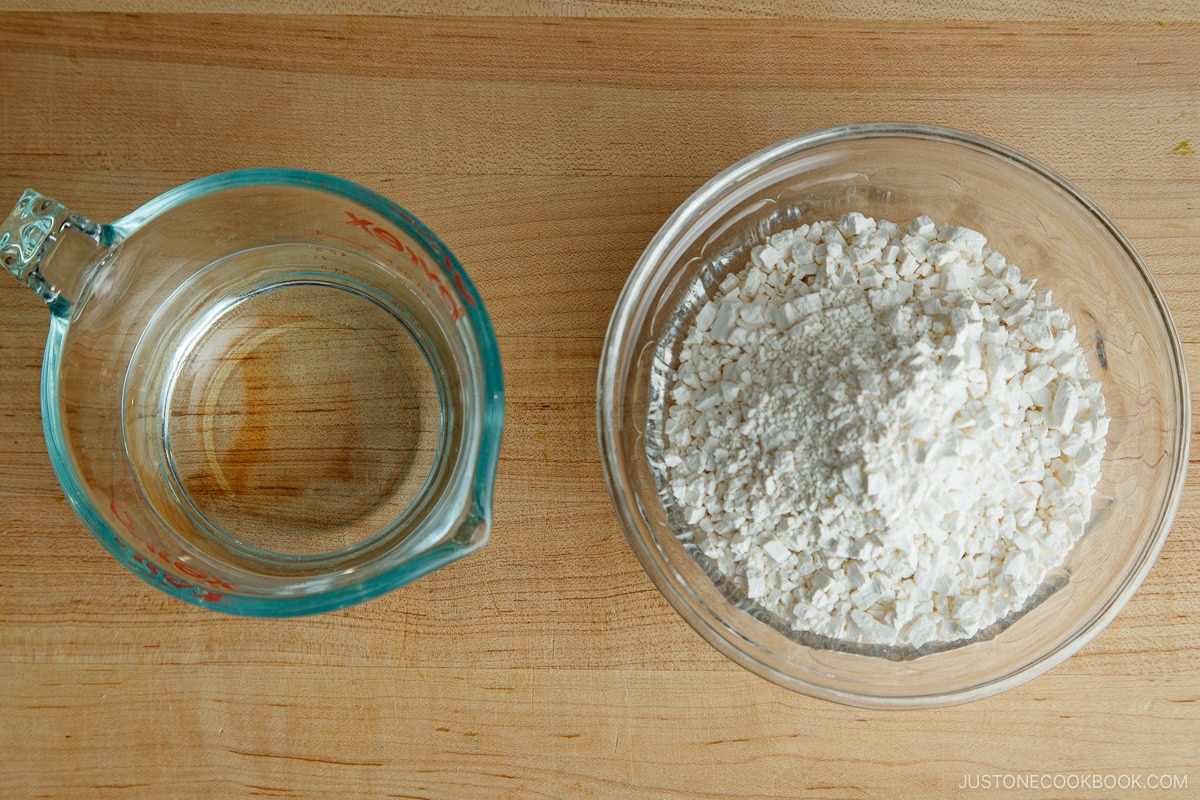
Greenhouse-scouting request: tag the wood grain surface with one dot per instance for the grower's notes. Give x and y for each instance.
(546, 150)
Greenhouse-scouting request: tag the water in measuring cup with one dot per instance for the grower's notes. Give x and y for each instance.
(278, 408)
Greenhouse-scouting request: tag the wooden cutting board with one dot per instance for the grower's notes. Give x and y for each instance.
(546, 150)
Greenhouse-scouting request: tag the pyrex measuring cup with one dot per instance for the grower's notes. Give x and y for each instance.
(265, 392)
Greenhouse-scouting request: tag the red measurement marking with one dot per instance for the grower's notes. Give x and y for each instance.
(330, 235)
(383, 234)
(178, 583)
(358, 222)
(461, 288)
(152, 569)
(122, 515)
(393, 241)
(188, 569)
(126, 519)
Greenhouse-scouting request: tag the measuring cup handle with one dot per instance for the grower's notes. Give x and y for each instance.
(30, 237)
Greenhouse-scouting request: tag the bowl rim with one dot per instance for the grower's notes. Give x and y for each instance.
(666, 578)
(475, 520)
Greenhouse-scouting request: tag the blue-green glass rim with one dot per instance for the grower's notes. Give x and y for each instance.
(491, 396)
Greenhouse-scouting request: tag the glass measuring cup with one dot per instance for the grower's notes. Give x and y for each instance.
(266, 392)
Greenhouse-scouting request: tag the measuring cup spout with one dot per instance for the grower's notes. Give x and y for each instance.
(32, 241)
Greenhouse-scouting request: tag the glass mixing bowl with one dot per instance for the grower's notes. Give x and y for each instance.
(1038, 221)
(266, 392)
